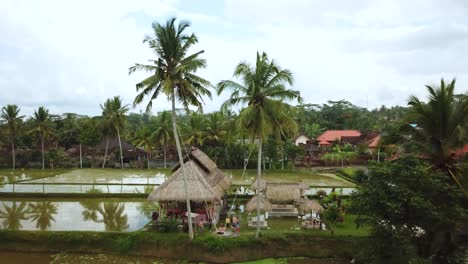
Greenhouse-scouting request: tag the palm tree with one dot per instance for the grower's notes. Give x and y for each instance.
(163, 131)
(71, 129)
(12, 215)
(440, 127)
(144, 139)
(173, 73)
(263, 91)
(216, 127)
(113, 113)
(43, 213)
(194, 130)
(43, 127)
(10, 117)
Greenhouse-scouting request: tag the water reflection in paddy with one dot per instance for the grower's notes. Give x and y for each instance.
(74, 215)
(107, 176)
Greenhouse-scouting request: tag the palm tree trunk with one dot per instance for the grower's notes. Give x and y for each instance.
(282, 157)
(147, 159)
(164, 153)
(120, 146)
(259, 176)
(182, 166)
(378, 155)
(105, 153)
(13, 152)
(81, 158)
(42, 148)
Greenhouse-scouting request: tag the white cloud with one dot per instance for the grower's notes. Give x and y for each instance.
(72, 55)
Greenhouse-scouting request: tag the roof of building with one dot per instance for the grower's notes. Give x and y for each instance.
(301, 134)
(461, 151)
(336, 135)
(205, 182)
(323, 142)
(374, 142)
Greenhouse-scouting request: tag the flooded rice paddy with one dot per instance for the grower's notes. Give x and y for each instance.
(74, 215)
(144, 181)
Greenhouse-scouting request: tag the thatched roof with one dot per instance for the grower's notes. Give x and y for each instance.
(305, 205)
(198, 187)
(283, 192)
(251, 206)
(205, 182)
(114, 145)
(263, 184)
(303, 186)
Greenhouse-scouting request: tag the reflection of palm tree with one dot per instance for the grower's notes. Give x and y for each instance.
(112, 214)
(13, 215)
(147, 208)
(42, 213)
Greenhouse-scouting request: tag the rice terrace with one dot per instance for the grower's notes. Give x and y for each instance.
(254, 132)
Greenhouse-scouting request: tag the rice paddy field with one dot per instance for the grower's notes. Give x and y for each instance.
(144, 181)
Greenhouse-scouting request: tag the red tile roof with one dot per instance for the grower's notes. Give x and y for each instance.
(323, 142)
(334, 135)
(461, 151)
(373, 143)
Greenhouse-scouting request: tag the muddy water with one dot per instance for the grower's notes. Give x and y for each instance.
(75, 215)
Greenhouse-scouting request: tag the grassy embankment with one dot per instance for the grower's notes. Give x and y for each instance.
(205, 247)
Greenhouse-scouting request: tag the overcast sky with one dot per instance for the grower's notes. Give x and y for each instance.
(70, 56)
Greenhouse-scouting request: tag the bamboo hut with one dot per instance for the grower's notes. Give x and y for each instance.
(305, 205)
(251, 206)
(283, 192)
(206, 185)
(263, 184)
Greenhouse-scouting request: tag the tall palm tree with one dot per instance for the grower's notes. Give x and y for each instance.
(10, 116)
(113, 113)
(263, 90)
(193, 130)
(440, 127)
(43, 213)
(173, 73)
(145, 140)
(12, 215)
(163, 131)
(43, 127)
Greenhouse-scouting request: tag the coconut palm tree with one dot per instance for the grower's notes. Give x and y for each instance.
(71, 130)
(12, 215)
(263, 90)
(145, 140)
(439, 127)
(216, 127)
(11, 118)
(43, 213)
(114, 120)
(43, 127)
(193, 130)
(173, 73)
(163, 131)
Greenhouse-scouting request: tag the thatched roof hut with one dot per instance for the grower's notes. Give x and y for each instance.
(114, 145)
(283, 192)
(306, 205)
(263, 184)
(251, 206)
(205, 182)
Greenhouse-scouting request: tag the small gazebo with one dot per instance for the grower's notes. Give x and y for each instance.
(206, 186)
(251, 206)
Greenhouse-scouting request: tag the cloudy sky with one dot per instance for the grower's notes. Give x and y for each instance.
(71, 55)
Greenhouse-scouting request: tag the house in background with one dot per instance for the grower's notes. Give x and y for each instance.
(302, 139)
(330, 137)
